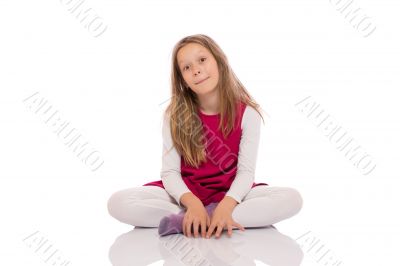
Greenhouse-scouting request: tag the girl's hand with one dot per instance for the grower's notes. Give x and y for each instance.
(195, 215)
(222, 219)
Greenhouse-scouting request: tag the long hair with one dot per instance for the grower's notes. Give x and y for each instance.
(185, 125)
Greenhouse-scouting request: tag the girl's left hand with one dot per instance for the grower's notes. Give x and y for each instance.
(222, 219)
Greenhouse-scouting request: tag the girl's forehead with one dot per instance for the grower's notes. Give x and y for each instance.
(191, 50)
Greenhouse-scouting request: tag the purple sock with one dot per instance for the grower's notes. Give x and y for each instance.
(172, 224)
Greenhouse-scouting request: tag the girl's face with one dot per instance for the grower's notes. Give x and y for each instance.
(198, 67)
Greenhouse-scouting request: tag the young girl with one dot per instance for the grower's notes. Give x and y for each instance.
(211, 132)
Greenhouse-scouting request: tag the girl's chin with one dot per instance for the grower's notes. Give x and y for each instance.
(205, 91)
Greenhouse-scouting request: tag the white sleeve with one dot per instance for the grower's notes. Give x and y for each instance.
(171, 166)
(247, 156)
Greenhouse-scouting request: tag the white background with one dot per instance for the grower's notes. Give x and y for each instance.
(112, 89)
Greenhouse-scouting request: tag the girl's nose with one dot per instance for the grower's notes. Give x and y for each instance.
(196, 70)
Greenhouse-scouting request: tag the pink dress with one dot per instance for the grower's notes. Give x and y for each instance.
(213, 178)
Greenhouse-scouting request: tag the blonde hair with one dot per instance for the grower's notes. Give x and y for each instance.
(185, 125)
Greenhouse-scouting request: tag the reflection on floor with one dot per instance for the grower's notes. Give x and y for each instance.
(143, 246)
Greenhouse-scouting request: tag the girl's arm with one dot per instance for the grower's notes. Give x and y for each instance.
(189, 199)
(171, 166)
(247, 158)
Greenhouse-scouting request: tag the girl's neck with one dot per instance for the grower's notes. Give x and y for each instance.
(209, 103)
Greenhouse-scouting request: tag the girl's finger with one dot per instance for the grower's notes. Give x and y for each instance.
(189, 229)
(230, 230)
(203, 228)
(219, 230)
(239, 226)
(210, 230)
(196, 228)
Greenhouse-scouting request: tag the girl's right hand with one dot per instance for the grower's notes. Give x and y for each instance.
(196, 215)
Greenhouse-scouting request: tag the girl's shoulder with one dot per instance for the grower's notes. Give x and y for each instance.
(251, 116)
(247, 109)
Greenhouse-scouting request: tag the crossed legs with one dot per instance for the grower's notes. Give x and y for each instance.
(145, 206)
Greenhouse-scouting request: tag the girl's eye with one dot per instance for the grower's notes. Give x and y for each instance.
(201, 59)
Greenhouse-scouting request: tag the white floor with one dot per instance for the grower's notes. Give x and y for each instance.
(50, 221)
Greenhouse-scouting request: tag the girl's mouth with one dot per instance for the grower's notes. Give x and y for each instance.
(202, 80)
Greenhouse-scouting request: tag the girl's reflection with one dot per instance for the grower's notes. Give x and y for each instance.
(143, 246)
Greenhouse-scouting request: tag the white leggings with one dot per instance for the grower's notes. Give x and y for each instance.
(145, 206)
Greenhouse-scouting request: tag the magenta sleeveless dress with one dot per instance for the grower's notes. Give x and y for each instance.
(213, 178)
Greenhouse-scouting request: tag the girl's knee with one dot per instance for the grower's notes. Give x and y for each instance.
(118, 202)
(114, 204)
(295, 200)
